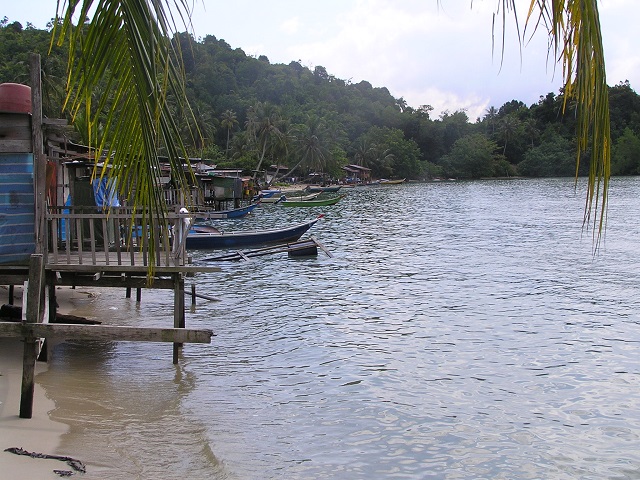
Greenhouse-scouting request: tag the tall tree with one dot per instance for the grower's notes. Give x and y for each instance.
(508, 128)
(228, 122)
(263, 127)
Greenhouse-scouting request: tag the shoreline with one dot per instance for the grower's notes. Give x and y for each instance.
(39, 434)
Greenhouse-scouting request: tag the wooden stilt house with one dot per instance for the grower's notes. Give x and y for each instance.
(46, 241)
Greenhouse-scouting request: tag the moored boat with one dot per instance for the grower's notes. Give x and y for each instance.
(391, 182)
(311, 203)
(203, 237)
(300, 198)
(203, 215)
(318, 188)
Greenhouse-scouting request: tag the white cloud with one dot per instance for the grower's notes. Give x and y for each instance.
(290, 26)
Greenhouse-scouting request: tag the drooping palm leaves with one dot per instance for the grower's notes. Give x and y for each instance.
(575, 39)
(125, 48)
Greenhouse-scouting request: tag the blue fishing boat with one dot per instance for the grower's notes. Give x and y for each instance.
(203, 237)
(205, 215)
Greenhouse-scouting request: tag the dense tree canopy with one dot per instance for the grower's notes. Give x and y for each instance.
(252, 114)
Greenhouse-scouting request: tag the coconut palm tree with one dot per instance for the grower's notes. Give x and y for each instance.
(228, 122)
(311, 145)
(508, 128)
(362, 153)
(263, 127)
(490, 117)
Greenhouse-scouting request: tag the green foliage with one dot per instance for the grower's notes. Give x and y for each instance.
(16, 44)
(625, 155)
(252, 114)
(472, 156)
(554, 157)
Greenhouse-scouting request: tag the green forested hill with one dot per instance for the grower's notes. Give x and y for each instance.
(252, 114)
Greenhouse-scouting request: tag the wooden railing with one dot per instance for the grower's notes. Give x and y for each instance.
(177, 197)
(121, 236)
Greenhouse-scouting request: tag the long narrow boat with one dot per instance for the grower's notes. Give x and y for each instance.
(300, 248)
(280, 198)
(318, 188)
(312, 203)
(391, 182)
(203, 237)
(203, 215)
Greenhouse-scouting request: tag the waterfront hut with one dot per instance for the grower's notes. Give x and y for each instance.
(46, 242)
(357, 174)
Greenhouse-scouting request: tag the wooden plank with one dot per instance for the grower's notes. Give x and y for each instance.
(15, 133)
(56, 122)
(15, 120)
(115, 282)
(15, 145)
(133, 269)
(104, 332)
(13, 278)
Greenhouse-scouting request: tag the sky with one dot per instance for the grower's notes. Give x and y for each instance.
(440, 53)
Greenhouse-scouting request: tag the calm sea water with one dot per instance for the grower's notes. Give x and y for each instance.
(462, 330)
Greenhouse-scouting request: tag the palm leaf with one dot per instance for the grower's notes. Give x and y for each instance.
(127, 46)
(575, 39)
(575, 34)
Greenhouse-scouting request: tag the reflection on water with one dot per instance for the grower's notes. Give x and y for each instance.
(462, 330)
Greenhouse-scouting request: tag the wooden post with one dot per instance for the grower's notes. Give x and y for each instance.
(193, 294)
(178, 310)
(39, 159)
(34, 311)
(138, 295)
(53, 302)
(11, 294)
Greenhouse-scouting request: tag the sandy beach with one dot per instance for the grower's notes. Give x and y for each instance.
(38, 434)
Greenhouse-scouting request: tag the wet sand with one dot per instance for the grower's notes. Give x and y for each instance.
(38, 434)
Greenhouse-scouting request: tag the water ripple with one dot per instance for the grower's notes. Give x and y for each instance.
(462, 330)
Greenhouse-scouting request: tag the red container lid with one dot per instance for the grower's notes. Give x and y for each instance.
(15, 98)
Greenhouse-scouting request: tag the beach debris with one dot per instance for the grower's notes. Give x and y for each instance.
(63, 473)
(76, 465)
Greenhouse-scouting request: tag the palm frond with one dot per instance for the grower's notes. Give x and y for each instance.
(126, 45)
(575, 36)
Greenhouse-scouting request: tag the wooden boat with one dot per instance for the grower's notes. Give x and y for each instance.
(391, 182)
(203, 237)
(264, 194)
(269, 192)
(300, 198)
(318, 188)
(204, 215)
(301, 248)
(312, 203)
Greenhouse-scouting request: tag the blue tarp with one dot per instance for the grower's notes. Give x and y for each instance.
(105, 193)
